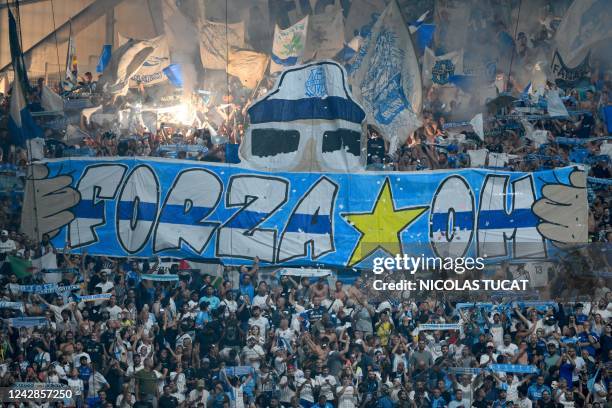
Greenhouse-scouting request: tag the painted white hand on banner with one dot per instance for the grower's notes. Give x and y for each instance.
(561, 210)
(47, 202)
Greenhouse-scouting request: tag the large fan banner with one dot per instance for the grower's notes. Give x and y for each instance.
(171, 208)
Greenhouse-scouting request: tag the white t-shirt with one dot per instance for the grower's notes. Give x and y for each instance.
(484, 359)
(511, 349)
(579, 363)
(524, 403)
(327, 384)
(307, 390)
(8, 246)
(252, 356)
(76, 385)
(263, 324)
(114, 312)
(261, 301)
(198, 396)
(105, 286)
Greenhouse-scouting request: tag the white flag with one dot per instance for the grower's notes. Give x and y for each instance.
(438, 70)
(249, 66)
(478, 125)
(71, 62)
(386, 77)
(362, 15)
(50, 101)
(555, 104)
(325, 36)
(585, 26)
(214, 39)
(289, 44)
(125, 62)
(152, 71)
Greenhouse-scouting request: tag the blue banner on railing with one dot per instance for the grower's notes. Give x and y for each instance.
(145, 207)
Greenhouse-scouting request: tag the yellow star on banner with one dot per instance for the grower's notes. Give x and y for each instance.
(382, 227)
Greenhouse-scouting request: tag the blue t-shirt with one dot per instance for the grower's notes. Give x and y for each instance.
(535, 391)
(84, 373)
(213, 301)
(201, 318)
(439, 402)
(248, 290)
(583, 337)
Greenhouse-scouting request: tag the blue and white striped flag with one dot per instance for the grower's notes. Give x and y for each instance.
(21, 124)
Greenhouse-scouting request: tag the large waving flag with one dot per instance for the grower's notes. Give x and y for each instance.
(19, 66)
(21, 124)
(124, 63)
(249, 66)
(440, 69)
(289, 44)
(586, 26)
(104, 59)
(325, 36)
(214, 40)
(386, 77)
(152, 71)
(361, 14)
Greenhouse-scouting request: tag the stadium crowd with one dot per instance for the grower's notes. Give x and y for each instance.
(245, 338)
(271, 340)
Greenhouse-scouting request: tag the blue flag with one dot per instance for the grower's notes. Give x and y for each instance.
(105, 57)
(174, 74)
(19, 66)
(21, 123)
(424, 36)
(608, 117)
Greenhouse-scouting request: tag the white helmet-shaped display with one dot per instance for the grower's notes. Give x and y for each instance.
(308, 122)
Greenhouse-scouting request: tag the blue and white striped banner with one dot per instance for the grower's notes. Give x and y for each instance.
(159, 278)
(477, 305)
(466, 370)
(183, 209)
(514, 368)
(441, 326)
(239, 371)
(596, 180)
(60, 270)
(44, 289)
(92, 298)
(12, 305)
(578, 142)
(27, 321)
(541, 305)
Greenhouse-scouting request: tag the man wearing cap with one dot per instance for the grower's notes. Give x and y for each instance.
(7, 245)
(252, 354)
(199, 395)
(490, 357)
(500, 402)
